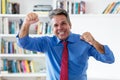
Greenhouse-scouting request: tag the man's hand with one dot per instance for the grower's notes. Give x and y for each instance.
(87, 37)
(30, 19)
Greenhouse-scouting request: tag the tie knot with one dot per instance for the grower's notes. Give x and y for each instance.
(64, 43)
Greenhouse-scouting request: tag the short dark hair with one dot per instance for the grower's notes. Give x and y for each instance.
(59, 11)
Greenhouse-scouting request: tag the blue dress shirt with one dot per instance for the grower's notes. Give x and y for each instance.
(79, 53)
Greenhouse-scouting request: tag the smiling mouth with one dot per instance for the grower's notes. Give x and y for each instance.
(61, 32)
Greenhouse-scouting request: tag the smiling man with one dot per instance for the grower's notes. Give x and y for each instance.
(79, 47)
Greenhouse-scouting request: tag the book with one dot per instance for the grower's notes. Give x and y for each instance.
(1, 26)
(3, 6)
(31, 63)
(117, 10)
(14, 66)
(64, 4)
(60, 4)
(5, 65)
(117, 4)
(76, 7)
(109, 8)
(23, 66)
(1, 65)
(6, 25)
(39, 28)
(0, 6)
(9, 66)
(42, 7)
(82, 7)
(9, 7)
(2, 46)
(19, 68)
(27, 66)
(15, 8)
(72, 8)
(12, 27)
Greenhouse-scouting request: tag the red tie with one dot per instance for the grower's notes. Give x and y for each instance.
(64, 63)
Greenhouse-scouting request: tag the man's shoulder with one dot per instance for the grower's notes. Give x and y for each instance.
(52, 38)
(75, 36)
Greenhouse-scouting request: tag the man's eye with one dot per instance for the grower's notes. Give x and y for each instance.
(63, 23)
(55, 25)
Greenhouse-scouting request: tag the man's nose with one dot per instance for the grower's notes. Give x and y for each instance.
(59, 27)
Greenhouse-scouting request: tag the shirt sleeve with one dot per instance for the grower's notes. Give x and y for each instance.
(33, 44)
(106, 57)
(21, 41)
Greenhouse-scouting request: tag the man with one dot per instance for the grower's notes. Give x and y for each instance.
(80, 47)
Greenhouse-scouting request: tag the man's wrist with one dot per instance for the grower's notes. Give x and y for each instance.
(98, 46)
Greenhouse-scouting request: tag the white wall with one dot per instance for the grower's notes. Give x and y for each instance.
(106, 30)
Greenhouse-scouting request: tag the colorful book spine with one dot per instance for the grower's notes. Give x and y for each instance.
(3, 6)
(72, 7)
(82, 7)
(117, 5)
(112, 8)
(5, 66)
(32, 66)
(23, 66)
(14, 66)
(0, 6)
(19, 68)
(27, 66)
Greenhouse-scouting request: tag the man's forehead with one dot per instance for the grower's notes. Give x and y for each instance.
(58, 19)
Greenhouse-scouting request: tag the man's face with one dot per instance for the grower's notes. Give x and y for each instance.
(61, 27)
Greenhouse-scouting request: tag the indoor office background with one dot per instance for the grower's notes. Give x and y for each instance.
(104, 27)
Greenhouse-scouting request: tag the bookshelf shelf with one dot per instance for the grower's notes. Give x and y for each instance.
(22, 55)
(13, 16)
(95, 15)
(14, 35)
(23, 75)
(20, 15)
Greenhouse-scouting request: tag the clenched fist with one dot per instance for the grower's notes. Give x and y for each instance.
(88, 37)
(31, 18)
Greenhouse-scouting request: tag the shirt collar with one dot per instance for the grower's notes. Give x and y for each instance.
(70, 38)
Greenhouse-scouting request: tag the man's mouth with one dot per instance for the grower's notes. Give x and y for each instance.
(61, 32)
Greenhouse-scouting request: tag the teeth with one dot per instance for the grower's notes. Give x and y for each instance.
(61, 32)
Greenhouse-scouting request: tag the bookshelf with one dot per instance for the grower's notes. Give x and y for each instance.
(24, 55)
(8, 37)
(100, 25)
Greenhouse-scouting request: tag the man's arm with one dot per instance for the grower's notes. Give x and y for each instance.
(89, 38)
(30, 19)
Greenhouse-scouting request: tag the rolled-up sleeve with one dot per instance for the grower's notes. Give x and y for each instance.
(106, 57)
(22, 42)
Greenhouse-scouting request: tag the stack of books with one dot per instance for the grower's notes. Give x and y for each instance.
(72, 7)
(8, 7)
(112, 8)
(42, 9)
(23, 66)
